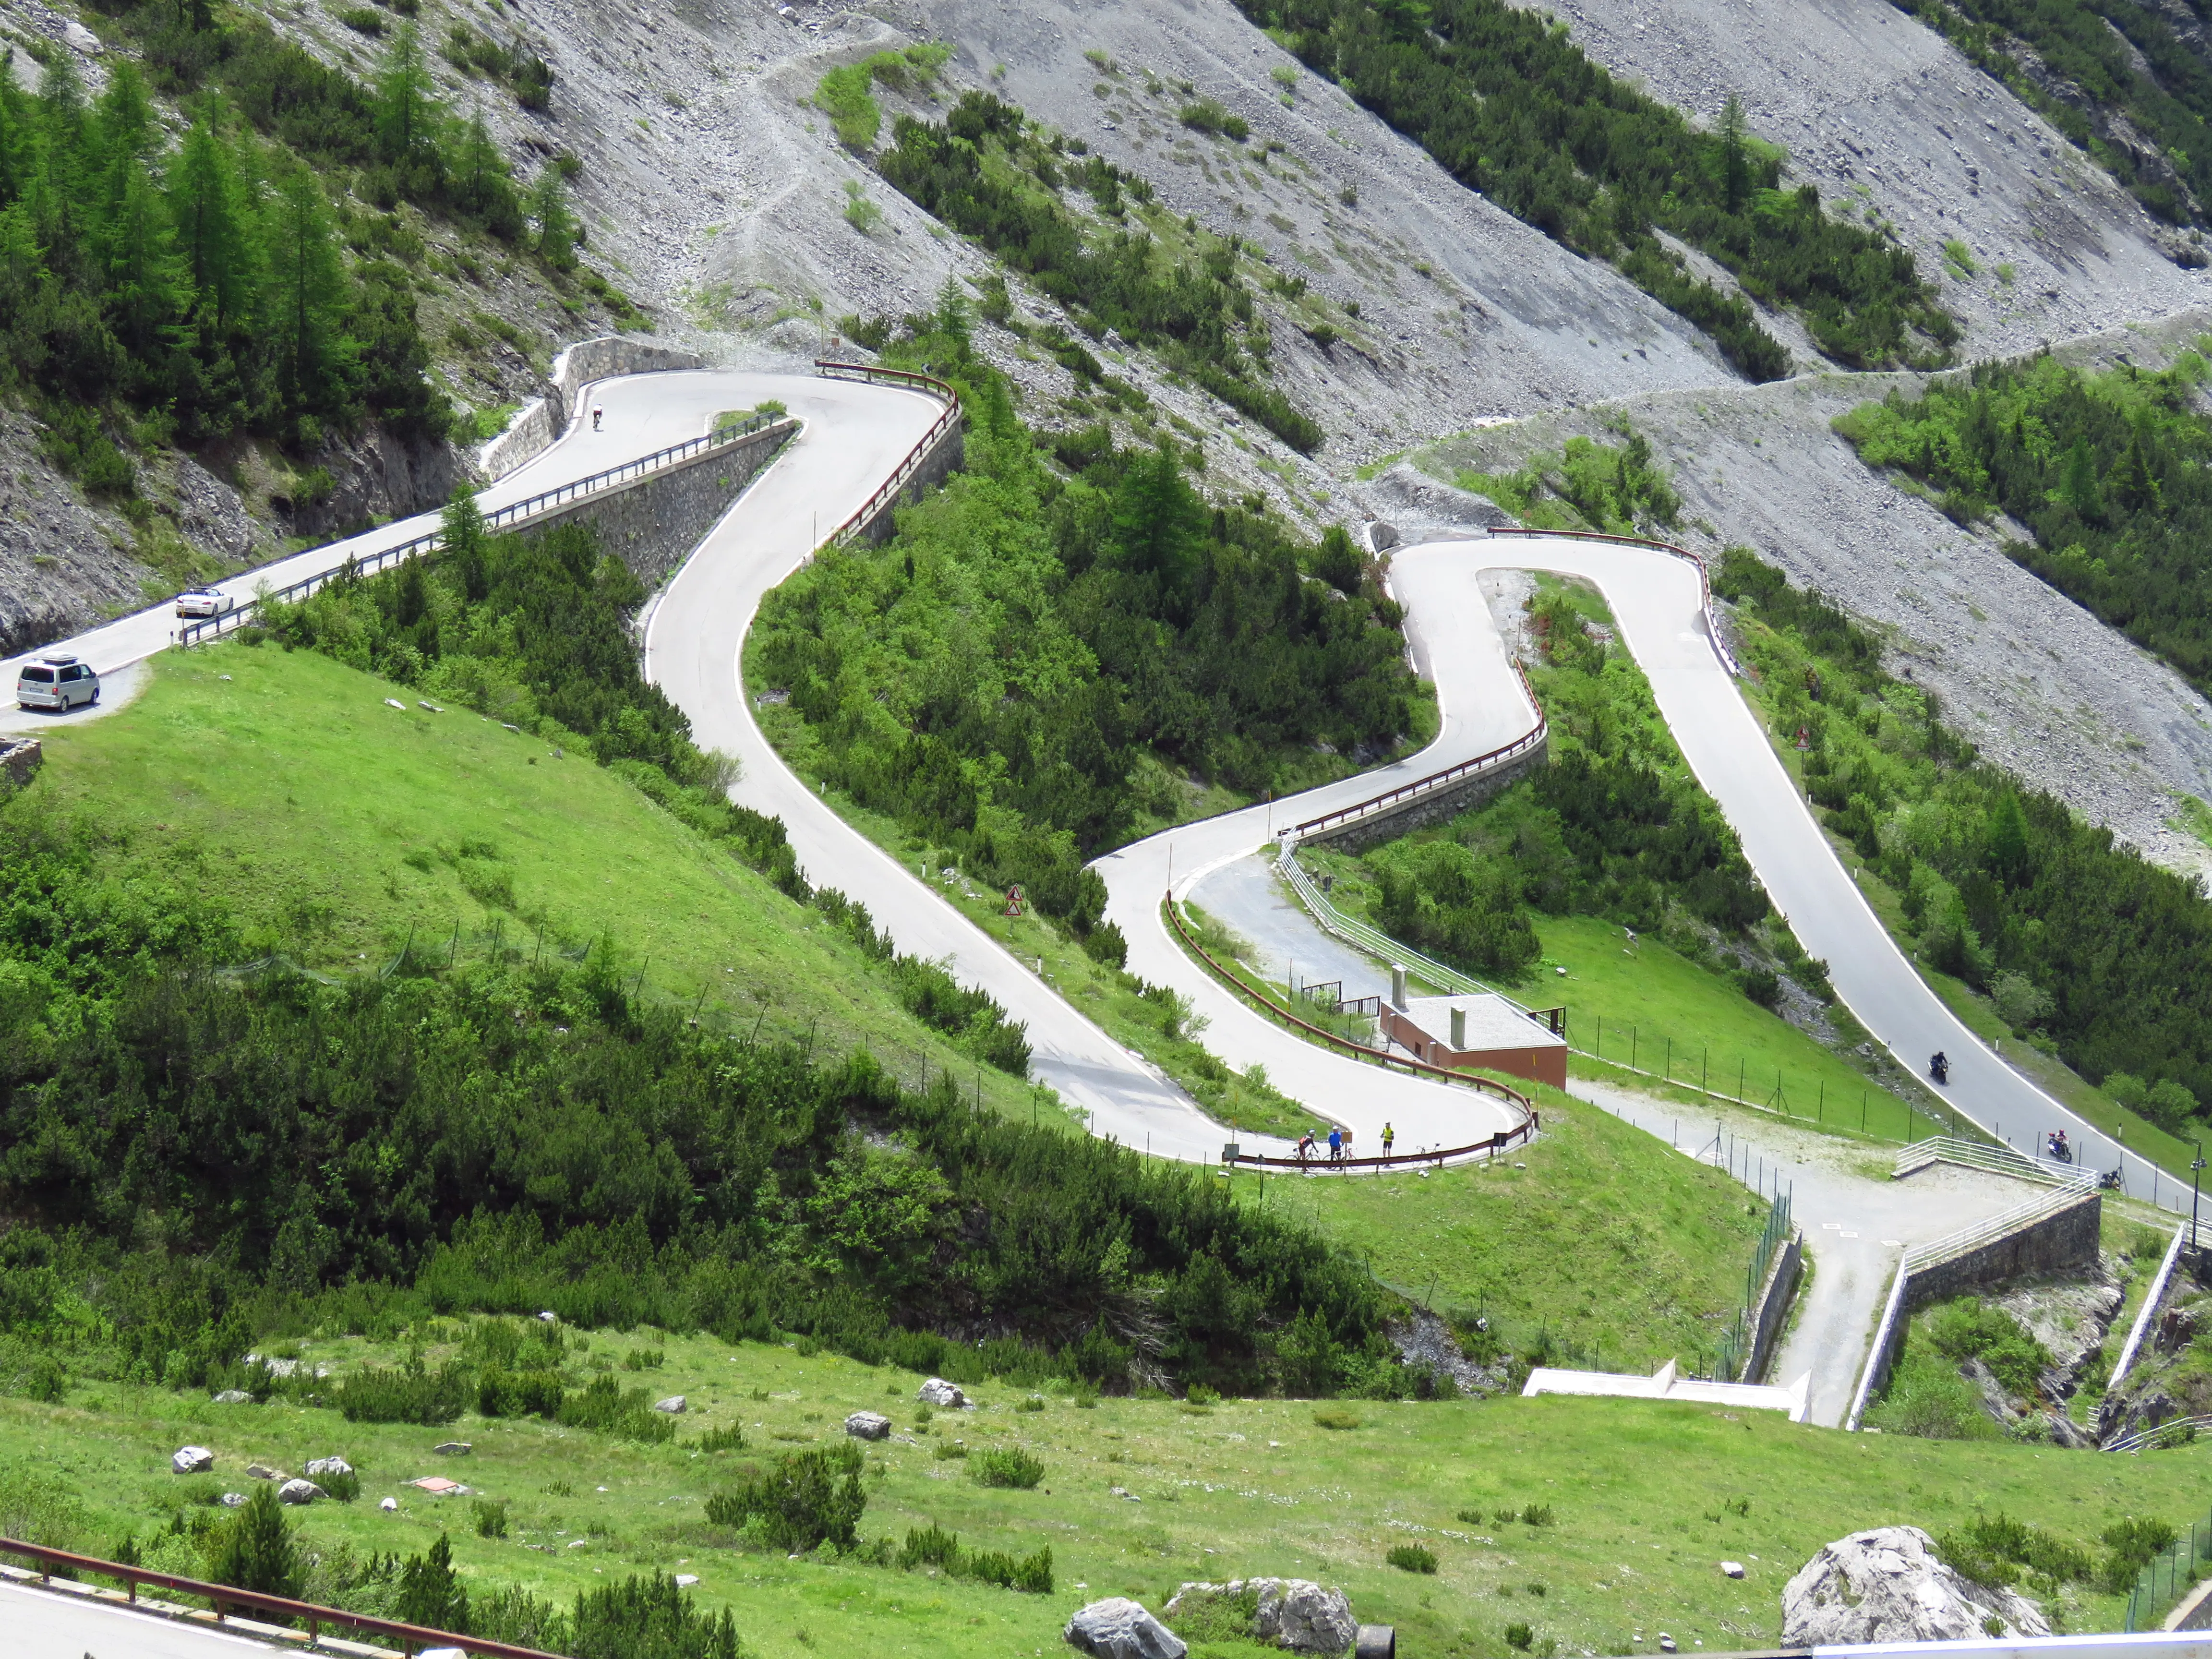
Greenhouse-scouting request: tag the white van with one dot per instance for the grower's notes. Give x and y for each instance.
(56, 684)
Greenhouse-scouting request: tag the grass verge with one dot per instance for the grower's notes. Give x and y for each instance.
(338, 827)
(1647, 1498)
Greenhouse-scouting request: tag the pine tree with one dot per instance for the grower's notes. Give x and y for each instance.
(211, 209)
(1158, 521)
(2008, 841)
(465, 545)
(405, 111)
(256, 1551)
(480, 172)
(2077, 487)
(430, 1592)
(306, 297)
(1735, 160)
(557, 224)
(148, 290)
(2136, 488)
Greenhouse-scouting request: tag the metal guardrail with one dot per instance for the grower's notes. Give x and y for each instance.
(508, 517)
(2174, 1428)
(948, 420)
(1993, 1160)
(227, 1599)
(1381, 805)
(1705, 577)
(2148, 1312)
(1523, 1131)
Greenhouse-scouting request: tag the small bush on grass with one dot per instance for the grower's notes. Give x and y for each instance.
(344, 1486)
(1412, 1558)
(801, 1502)
(411, 1393)
(933, 1546)
(728, 1438)
(1012, 1467)
(491, 1518)
(1519, 1637)
(945, 1448)
(1539, 1514)
(519, 1394)
(1220, 1617)
(1969, 1329)
(1334, 1418)
(604, 1405)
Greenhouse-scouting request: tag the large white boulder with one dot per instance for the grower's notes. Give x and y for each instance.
(319, 1467)
(1118, 1628)
(300, 1491)
(1889, 1585)
(674, 1404)
(191, 1460)
(938, 1392)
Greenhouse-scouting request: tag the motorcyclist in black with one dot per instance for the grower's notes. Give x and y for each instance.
(1938, 1066)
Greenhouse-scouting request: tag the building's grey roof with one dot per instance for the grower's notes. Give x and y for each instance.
(1492, 1023)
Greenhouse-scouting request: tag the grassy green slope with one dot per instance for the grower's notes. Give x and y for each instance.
(1241, 1489)
(282, 784)
(1606, 1236)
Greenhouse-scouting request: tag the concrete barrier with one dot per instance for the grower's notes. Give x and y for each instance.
(1774, 1305)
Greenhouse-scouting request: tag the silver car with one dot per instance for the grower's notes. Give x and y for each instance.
(203, 602)
(56, 684)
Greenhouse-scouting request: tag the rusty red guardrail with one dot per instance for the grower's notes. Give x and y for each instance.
(904, 473)
(1519, 745)
(224, 1596)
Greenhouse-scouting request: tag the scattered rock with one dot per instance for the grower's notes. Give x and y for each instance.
(390, 1505)
(319, 1467)
(868, 1426)
(549, 1316)
(1293, 1613)
(1118, 1628)
(938, 1392)
(300, 1491)
(452, 1449)
(1889, 1585)
(263, 1472)
(233, 1500)
(191, 1460)
(1667, 1643)
(1733, 1569)
(673, 1405)
(233, 1397)
(685, 1580)
(83, 39)
(1375, 1642)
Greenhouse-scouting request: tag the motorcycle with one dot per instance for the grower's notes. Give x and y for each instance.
(2059, 1149)
(2109, 1180)
(1939, 1068)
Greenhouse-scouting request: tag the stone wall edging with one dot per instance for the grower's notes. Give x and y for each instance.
(543, 419)
(1782, 1279)
(653, 524)
(1436, 806)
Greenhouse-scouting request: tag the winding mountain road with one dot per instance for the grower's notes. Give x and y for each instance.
(854, 435)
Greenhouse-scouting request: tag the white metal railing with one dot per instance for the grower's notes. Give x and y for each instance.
(1991, 1159)
(2149, 1312)
(2158, 1434)
(512, 516)
(1954, 1245)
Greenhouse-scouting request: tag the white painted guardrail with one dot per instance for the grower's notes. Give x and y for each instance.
(1992, 1159)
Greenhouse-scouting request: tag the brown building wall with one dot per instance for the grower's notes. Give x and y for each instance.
(1546, 1063)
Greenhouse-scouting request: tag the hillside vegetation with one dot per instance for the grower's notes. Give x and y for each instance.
(2095, 71)
(1060, 644)
(2084, 949)
(2106, 471)
(1508, 105)
(1632, 1503)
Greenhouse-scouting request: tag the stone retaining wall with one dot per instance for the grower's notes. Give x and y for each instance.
(1435, 807)
(1774, 1302)
(543, 419)
(943, 459)
(653, 524)
(2051, 1244)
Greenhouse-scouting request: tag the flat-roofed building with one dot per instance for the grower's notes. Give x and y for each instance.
(1483, 1030)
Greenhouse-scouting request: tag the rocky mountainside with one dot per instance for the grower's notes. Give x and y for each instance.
(718, 196)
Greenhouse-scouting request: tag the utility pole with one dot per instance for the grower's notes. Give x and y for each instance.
(2196, 1180)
